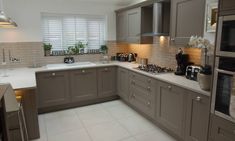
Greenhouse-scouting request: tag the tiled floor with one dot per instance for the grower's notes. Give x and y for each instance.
(110, 121)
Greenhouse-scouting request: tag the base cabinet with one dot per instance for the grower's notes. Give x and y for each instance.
(53, 88)
(170, 108)
(197, 119)
(123, 83)
(221, 129)
(107, 81)
(83, 84)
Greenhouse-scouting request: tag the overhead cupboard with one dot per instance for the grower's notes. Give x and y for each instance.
(178, 19)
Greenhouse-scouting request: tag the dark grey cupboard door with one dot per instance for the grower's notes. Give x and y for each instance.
(52, 88)
(221, 129)
(171, 108)
(123, 83)
(83, 84)
(121, 21)
(107, 81)
(227, 7)
(198, 115)
(187, 19)
(134, 25)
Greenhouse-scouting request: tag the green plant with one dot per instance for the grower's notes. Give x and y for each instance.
(80, 45)
(103, 48)
(76, 48)
(47, 46)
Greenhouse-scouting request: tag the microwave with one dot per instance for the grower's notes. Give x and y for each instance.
(223, 99)
(225, 45)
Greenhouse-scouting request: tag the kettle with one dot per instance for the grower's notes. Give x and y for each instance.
(132, 57)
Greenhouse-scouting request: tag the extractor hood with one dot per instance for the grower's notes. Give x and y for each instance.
(160, 20)
(5, 22)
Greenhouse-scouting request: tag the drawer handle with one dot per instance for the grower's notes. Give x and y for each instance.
(148, 103)
(133, 96)
(149, 88)
(106, 69)
(198, 99)
(83, 71)
(169, 87)
(53, 74)
(172, 39)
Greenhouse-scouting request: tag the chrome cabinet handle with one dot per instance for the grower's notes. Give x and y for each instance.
(53, 74)
(169, 87)
(172, 39)
(198, 98)
(106, 69)
(83, 71)
(148, 103)
(149, 88)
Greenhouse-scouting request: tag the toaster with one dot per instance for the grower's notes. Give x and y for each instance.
(192, 71)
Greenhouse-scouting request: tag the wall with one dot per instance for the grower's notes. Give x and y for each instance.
(26, 13)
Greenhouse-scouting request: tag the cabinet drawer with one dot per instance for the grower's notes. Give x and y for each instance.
(222, 130)
(140, 79)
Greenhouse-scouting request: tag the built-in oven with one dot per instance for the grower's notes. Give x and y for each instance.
(223, 101)
(225, 45)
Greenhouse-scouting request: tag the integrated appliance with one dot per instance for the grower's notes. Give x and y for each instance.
(192, 71)
(225, 36)
(154, 69)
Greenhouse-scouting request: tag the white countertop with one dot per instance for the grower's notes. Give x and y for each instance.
(24, 78)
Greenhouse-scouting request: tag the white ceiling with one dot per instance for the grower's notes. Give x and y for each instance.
(116, 2)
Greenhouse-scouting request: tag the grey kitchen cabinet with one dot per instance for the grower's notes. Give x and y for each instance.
(133, 25)
(171, 108)
(52, 88)
(197, 118)
(187, 19)
(83, 84)
(123, 83)
(226, 7)
(221, 129)
(121, 21)
(142, 93)
(107, 81)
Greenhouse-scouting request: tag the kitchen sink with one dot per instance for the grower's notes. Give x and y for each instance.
(73, 65)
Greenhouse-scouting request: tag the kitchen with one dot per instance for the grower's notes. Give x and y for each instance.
(117, 70)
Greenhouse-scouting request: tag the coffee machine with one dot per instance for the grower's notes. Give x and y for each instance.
(182, 62)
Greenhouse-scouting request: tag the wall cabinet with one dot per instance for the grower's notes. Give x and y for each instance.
(107, 81)
(198, 115)
(227, 7)
(221, 129)
(170, 108)
(123, 83)
(52, 88)
(121, 21)
(187, 19)
(142, 93)
(83, 84)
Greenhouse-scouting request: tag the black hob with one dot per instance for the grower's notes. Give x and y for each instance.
(154, 69)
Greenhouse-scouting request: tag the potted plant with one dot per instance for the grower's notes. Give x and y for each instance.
(104, 49)
(47, 49)
(204, 76)
(81, 47)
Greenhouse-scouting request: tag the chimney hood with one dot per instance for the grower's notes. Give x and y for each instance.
(160, 19)
(5, 22)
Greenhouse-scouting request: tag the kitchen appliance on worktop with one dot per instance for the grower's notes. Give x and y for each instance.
(192, 72)
(182, 62)
(126, 57)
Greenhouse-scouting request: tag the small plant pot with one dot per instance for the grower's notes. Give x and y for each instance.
(47, 52)
(204, 81)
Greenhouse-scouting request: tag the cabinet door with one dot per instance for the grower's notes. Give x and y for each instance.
(107, 81)
(198, 115)
(221, 129)
(171, 108)
(123, 83)
(121, 18)
(227, 7)
(52, 88)
(83, 84)
(133, 25)
(187, 19)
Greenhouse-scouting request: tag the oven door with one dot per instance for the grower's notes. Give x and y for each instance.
(225, 45)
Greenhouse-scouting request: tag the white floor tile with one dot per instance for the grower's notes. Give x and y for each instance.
(76, 135)
(112, 103)
(129, 139)
(109, 131)
(136, 124)
(88, 108)
(92, 118)
(156, 135)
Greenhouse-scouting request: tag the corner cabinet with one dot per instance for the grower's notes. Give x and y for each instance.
(170, 108)
(123, 83)
(83, 84)
(197, 118)
(107, 81)
(187, 19)
(52, 88)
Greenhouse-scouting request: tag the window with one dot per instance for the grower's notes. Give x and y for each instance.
(62, 31)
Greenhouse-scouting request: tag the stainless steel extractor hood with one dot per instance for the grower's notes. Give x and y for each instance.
(161, 19)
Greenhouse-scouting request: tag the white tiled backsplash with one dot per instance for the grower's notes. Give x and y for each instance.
(32, 54)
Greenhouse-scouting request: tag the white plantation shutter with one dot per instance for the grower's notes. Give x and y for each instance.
(63, 31)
